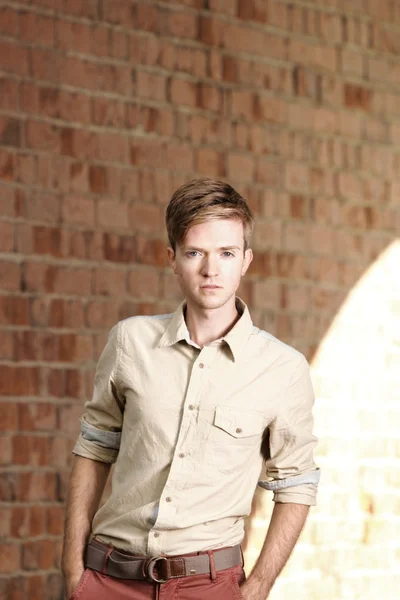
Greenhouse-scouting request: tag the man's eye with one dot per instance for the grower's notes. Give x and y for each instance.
(229, 253)
(191, 253)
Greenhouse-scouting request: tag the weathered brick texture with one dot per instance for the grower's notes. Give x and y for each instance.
(105, 108)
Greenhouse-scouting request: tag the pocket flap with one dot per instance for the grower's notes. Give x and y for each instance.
(239, 423)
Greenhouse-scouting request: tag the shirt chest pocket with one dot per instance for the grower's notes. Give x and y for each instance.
(235, 438)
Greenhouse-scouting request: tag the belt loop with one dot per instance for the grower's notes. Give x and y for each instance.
(213, 572)
(104, 568)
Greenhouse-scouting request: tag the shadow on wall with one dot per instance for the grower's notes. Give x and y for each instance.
(350, 548)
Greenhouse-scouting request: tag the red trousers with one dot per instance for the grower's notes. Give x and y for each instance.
(225, 586)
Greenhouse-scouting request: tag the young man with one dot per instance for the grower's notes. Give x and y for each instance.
(188, 406)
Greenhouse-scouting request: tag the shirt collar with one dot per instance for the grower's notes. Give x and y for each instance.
(236, 338)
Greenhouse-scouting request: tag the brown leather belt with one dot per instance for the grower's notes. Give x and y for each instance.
(118, 564)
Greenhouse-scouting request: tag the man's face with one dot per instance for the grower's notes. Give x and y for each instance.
(210, 262)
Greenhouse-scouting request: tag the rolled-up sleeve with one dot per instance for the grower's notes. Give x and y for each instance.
(290, 467)
(101, 423)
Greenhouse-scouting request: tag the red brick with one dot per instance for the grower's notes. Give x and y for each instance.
(83, 8)
(312, 54)
(183, 92)
(386, 40)
(100, 40)
(9, 22)
(60, 452)
(148, 152)
(356, 96)
(147, 17)
(10, 275)
(37, 486)
(64, 105)
(150, 85)
(79, 143)
(26, 345)
(157, 120)
(6, 237)
(179, 156)
(267, 108)
(112, 213)
(108, 112)
(57, 279)
(210, 98)
(151, 252)
(10, 131)
(119, 45)
(240, 166)
(112, 148)
(38, 555)
(296, 237)
(10, 558)
(144, 283)
(7, 167)
(119, 248)
(74, 36)
(182, 24)
(278, 14)
(36, 28)
(30, 450)
(210, 162)
(8, 94)
(110, 282)
(101, 314)
(43, 136)
(13, 58)
(78, 210)
(5, 523)
(268, 173)
(37, 417)
(55, 520)
(6, 453)
(27, 522)
(297, 177)
(254, 41)
(118, 12)
(253, 10)
(228, 7)
(266, 294)
(46, 65)
(146, 217)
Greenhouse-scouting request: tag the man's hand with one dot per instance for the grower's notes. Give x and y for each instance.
(72, 581)
(253, 589)
(286, 523)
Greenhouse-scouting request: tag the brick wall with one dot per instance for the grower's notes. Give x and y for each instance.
(106, 106)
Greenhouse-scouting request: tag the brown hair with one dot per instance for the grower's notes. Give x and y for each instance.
(204, 200)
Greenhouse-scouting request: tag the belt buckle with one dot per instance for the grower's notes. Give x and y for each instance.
(150, 569)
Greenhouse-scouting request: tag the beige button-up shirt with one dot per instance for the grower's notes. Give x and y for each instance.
(185, 425)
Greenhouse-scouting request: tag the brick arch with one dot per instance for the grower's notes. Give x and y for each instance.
(346, 549)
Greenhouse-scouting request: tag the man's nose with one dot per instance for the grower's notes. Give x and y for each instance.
(210, 266)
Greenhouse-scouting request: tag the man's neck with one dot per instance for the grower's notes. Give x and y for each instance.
(205, 326)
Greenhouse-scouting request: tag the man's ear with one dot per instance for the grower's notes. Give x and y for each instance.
(248, 257)
(171, 258)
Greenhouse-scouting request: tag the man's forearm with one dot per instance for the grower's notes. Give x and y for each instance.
(286, 524)
(87, 482)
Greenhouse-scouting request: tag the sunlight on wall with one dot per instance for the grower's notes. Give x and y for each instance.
(350, 549)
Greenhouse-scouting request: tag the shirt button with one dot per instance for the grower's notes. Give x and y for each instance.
(191, 407)
(168, 499)
(156, 534)
(201, 365)
(181, 455)
(239, 430)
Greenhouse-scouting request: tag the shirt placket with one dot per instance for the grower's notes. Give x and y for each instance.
(171, 497)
